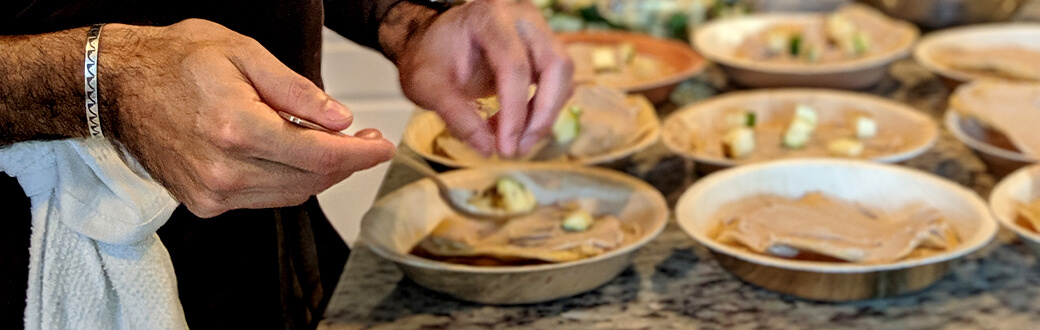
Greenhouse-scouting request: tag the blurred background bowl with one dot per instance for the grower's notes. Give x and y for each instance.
(937, 14)
(877, 186)
(683, 59)
(1005, 34)
(718, 41)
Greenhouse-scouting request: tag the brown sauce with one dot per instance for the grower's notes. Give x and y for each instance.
(478, 260)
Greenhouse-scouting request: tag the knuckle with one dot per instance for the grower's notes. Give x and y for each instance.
(220, 179)
(229, 136)
(204, 206)
(297, 199)
(328, 181)
(464, 133)
(300, 89)
(327, 162)
(519, 66)
(565, 64)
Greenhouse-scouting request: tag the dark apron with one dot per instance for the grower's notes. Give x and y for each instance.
(273, 268)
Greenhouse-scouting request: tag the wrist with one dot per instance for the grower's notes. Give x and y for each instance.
(119, 60)
(402, 26)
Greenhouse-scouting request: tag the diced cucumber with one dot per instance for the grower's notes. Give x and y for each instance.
(738, 143)
(812, 54)
(845, 147)
(627, 51)
(801, 128)
(514, 196)
(798, 134)
(866, 127)
(577, 220)
(567, 125)
(795, 45)
(860, 43)
(740, 119)
(542, 4)
(806, 113)
(604, 59)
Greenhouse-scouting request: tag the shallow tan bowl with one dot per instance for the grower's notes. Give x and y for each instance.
(879, 186)
(424, 128)
(699, 119)
(678, 55)
(719, 40)
(1006, 34)
(999, 161)
(936, 14)
(398, 221)
(1022, 186)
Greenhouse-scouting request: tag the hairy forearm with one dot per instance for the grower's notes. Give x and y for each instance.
(40, 97)
(401, 25)
(43, 97)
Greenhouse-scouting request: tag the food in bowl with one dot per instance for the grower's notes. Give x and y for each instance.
(996, 61)
(559, 232)
(819, 227)
(1007, 111)
(1029, 215)
(615, 65)
(595, 121)
(799, 133)
(756, 50)
(849, 33)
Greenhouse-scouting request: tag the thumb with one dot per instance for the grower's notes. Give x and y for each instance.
(285, 90)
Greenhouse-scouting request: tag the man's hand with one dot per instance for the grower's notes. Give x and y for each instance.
(197, 107)
(475, 50)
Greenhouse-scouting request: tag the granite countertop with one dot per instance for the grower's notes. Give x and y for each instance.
(676, 284)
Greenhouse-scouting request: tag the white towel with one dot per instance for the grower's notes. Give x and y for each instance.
(95, 260)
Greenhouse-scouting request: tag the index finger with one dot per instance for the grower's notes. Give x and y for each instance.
(554, 72)
(318, 151)
(504, 50)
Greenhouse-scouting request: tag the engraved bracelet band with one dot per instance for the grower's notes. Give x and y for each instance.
(90, 80)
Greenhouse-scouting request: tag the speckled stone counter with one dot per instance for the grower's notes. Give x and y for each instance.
(676, 284)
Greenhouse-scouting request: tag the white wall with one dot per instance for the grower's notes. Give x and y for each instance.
(367, 83)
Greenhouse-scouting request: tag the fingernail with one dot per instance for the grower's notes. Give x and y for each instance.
(369, 134)
(336, 112)
(485, 144)
(528, 142)
(507, 151)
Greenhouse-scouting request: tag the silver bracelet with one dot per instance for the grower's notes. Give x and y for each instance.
(90, 77)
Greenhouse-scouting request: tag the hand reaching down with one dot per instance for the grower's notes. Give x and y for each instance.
(478, 49)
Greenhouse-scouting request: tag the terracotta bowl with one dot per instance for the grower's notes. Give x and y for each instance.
(702, 119)
(675, 54)
(718, 41)
(1023, 186)
(398, 221)
(878, 186)
(1004, 34)
(424, 128)
(1000, 161)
